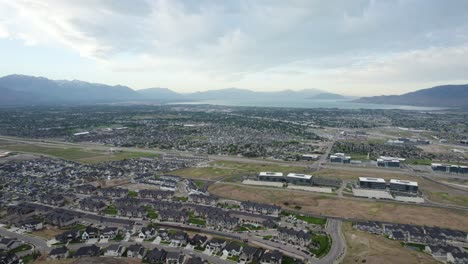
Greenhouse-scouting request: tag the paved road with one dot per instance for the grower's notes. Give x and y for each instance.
(338, 247)
(39, 243)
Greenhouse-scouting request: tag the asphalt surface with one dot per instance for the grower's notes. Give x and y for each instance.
(39, 243)
(338, 247)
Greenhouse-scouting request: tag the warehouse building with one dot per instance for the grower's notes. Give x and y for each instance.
(299, 179)
(340, 158)
(271, 176)
(372, 183)
(403, 186)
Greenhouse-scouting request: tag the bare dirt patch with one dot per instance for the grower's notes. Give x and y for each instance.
(48, 233)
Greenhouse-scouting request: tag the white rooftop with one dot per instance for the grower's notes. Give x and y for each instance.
(368, 179)
(391, 158)
(299, 175)
(81, 133)
(403, 182)
(271, 174)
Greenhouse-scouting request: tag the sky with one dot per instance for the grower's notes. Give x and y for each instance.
(359, 47)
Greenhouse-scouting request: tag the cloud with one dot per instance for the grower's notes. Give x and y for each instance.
(3, 32)
(235, 41)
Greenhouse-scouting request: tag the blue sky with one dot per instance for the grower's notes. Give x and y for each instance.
(359, 47)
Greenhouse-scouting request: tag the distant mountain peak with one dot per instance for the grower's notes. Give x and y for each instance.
(437, 96)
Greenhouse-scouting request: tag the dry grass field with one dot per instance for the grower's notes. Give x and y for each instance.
(334, 206)
(232, 169)
(83, 155)
(367, 248)
(48, 233)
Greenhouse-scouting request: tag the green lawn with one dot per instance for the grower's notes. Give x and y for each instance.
(308, 219)
(132, 194)
(419, 247)
(21, 248)
(419, 161)
(151, 213)
(197, 221)
(233, 258)
(111, 210)
(325, 244)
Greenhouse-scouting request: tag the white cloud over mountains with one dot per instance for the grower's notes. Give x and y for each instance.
(347, 46)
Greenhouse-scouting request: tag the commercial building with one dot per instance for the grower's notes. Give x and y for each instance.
(340, 158)
(372, 183)
(403, 186)
(389, 162)
(271, 176)
(449, 168)
(310, 157)
(298, 179)
(293, 178)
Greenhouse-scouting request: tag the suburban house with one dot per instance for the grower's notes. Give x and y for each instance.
(175, 258)
(198, 240)
(136, 251)
(90, 233)
(232, 249)
(156, 256)
(215, 245)
(271, 257)
(59, 253)
(109, 233)
(114, 250)
(87, 251)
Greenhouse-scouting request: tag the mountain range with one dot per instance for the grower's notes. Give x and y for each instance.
(29, 90)
(23, 90)
(439, 96)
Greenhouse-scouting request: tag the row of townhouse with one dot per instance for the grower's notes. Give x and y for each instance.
(156, 194)
(113, 192)
(92, 205)
(259, 208)
(52, 199)
(413, 233)
(295, 237)
(203, 199)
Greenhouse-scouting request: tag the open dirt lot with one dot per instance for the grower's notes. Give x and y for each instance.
(48, 233)
(333, 206)
(367, 248)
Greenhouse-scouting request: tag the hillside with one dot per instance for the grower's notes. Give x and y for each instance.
(439, 96)
(29, 90)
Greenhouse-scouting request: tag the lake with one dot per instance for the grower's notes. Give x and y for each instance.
(307, 103)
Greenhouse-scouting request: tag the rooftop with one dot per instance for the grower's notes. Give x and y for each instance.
(368, 179)
(269, 173)
(403, 182)
(299, 175)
